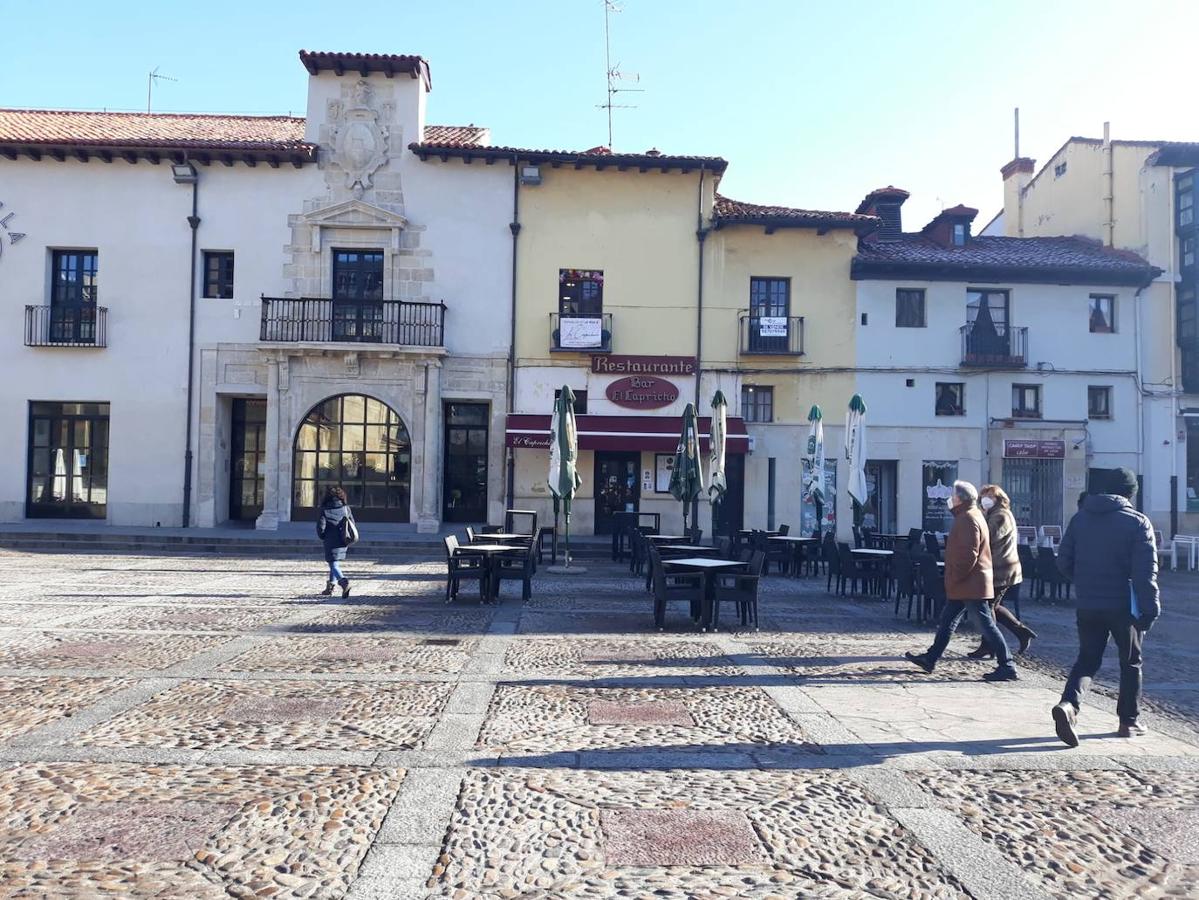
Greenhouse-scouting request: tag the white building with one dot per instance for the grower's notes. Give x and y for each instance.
(350, 306)
(993, 359)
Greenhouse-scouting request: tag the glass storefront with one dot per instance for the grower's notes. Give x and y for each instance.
(68, 461)
(360, 444)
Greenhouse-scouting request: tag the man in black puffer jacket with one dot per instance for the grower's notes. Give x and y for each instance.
(1110, 554)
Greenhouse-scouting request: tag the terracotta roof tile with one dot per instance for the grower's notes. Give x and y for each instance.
(463, 135)
(733, 212)
(1033, 259)
(600, 157)
(40, 127)
(364, 63)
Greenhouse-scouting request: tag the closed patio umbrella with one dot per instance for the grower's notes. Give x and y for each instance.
(717, 483)
(564, 452)
(855, 448)
(687, 478)
(814, 489)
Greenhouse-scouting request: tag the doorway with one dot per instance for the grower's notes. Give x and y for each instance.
(1036, 487)
(247, 459)
(878, 512)
(68, 461)
(617, 487)
(731, 512)
(464, 496)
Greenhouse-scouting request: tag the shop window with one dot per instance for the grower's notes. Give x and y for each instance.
(757, 403)
(1102, 317)
(218, 275)
(1026, 401)
(909, 308)
(1099, 402)
(951, 398)
(1192, 464)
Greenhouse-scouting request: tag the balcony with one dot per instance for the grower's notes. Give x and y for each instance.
(772, 336)
(66, 326)
(581, 334)
(994, 347)
(315, 320)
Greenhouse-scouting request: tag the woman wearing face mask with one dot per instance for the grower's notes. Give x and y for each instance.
(1005, 564)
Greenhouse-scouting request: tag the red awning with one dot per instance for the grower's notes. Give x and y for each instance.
(658, 433)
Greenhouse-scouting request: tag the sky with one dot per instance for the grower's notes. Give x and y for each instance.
(813, 104)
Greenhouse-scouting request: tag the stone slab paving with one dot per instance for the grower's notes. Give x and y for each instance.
(196, 727)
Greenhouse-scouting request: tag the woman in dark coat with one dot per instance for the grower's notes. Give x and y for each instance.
(1005, 564)
(334, 511)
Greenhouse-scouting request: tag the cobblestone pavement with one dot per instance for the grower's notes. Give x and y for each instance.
(191, 727)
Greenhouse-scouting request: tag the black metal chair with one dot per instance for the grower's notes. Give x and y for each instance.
(740, 588)
(784, 530)
(461, 566)
(725, 545)
(857, 537)
(517, 567)
(932, 587)
(1051, 578)
(1028, 566)
(915, 536)
(674, 587)
(904, 574)
(470, 535)
(853, 573)
(932, 545)
(832, 559)
(544, 532)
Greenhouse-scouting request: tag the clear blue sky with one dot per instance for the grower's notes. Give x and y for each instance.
(812, 104)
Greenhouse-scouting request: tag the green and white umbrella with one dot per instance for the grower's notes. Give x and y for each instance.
(814, 490)
(564, 453)
(718, 431)
(687, 478)
(855, 448)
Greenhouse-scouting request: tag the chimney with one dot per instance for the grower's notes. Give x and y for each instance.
(1016, 176)
(951, 227)
(885, 203)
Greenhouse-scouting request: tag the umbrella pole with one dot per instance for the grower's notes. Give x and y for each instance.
(568, 540)
(554, 542)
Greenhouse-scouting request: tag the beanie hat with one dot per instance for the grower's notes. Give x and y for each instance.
(1122, 481)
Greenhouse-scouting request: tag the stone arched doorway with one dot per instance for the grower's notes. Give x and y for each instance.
(361, 444)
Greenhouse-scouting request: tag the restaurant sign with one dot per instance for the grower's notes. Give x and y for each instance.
(643, 365)
(580, 332)
(1013, 449)
(642, 392)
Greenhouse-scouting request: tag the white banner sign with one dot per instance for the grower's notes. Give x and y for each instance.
(772, 326)
(580, 332)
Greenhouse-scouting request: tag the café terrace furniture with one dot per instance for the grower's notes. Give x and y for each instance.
(516, 567)
(527, 521)
(489, 554)
(462, 567)
(672, 587)
(794, 549)
(1026, 534)
(1166, 549)
(625, 522)
(880, 562)
(1050, 533)
(741, 589)
(1051, 579)
(709, 568)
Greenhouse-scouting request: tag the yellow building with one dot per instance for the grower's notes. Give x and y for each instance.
(1138, 196)
(640, 287)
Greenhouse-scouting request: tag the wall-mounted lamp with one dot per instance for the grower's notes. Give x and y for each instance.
(184, 173)
(530, 175)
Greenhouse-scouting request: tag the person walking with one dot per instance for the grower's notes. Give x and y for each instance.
(335, 527)
(1005, 565)
(1110, 554)
(968, 586)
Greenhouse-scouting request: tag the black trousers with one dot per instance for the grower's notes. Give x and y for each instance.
(1094, 628)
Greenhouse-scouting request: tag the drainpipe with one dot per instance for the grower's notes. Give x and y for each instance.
(193, 222)
(1140, 379)
(514, 227)
(701, 235)
(1109, 189)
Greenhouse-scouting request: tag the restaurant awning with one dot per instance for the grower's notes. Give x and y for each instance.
(658, 433)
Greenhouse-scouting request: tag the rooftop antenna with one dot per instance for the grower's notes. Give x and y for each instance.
(150, 79)
(614, 74)
(1017, 156)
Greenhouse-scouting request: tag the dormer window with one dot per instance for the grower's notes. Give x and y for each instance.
(959, 234)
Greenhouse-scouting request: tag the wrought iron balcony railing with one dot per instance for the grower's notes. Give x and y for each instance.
(317, 320)
(66, 326)
(581, 333)
(994, 346)
(772, 335)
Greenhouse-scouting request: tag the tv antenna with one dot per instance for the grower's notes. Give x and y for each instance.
(150, 79)
(615, 76)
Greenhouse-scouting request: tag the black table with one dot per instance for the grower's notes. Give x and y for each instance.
(709, 568)
(489, 585)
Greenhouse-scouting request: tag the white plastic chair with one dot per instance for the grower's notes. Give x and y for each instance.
(1191, 543)
(1050, 535)
(1167, 549)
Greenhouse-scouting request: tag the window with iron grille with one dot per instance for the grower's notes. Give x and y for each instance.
(909, 308)
(950, 398)
(1102, 315)
(757, 403)
(1099, 402)
(580, 292)
(1026, 401)
(218, 274)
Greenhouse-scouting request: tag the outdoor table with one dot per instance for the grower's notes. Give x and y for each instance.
(505, 536)
(626, 520)
(878, 556)
(709, 568)
(863, 551)
(664, 538)
(688, 548)
(795, 542)
(489, 590)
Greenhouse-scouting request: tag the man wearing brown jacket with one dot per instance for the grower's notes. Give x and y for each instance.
(968, 586)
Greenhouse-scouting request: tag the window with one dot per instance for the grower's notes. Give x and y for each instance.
(1185, 199)
(580, 292)
(769, 311)
(68, 460)
(1059, 170)
(1099, 402)
(757, 403)
(950, 398)
(909, 308)
(218, 274)
(1026, 401)
(1102, 314)
(580, 401)
(959, 234)
(73, 296)
(358, 275)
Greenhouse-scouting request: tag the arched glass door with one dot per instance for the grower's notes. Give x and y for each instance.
(362, 445)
